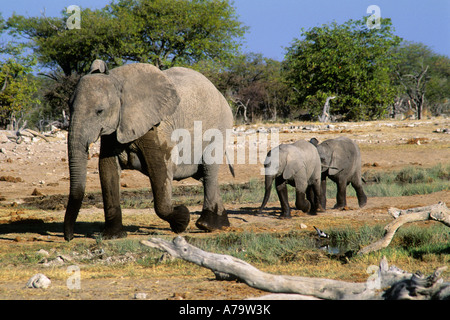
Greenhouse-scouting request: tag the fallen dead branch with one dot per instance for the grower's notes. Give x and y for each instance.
(228, 267)
(438, 212)
(32, 133)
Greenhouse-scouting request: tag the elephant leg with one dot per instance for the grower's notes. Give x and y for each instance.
(301, 190)
(161, 175)
(314, 197)
(214, 216)
(109, 171)
(323, 192)
(362, 198)
(301, 203)
(281, 188)
(178, 217)
(310, 196)
(341, 196)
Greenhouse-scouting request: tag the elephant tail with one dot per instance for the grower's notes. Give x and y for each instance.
(230, 166)
(268, 189)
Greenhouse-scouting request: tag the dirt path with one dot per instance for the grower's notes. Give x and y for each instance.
(36, 168)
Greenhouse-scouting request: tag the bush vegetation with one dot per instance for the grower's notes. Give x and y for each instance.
(404, 182)
(371, 72)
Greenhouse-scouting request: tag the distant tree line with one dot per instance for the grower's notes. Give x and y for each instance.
(372, 73)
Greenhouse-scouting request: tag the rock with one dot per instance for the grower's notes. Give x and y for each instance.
(36, 192)
(43, 252)
(65, 258)
(166, 257)
(443, 130)
(261, 130)
(57, 262)
(11, 179)
(38, 281)
(4, 138)
(140, 296)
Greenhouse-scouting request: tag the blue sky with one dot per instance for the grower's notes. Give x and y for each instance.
(275, 23)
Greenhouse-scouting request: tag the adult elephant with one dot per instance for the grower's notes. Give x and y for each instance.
(341, 162)
(134, 110)
(297, 164)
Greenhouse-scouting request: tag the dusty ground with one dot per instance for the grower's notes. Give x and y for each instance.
(37, 168)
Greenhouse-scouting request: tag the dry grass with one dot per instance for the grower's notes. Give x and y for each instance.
(24, 229)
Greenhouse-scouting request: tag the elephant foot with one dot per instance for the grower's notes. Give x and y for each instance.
(68, 237)
(111, 235)
(305, 206)
(285, 216)
(210, 221)
(179, 219)
(314, 212)
(339, 206)
(362, 201)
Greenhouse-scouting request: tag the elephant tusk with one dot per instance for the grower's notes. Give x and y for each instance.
(329, 167)
(332, 168)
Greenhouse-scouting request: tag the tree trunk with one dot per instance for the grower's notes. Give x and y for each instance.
(438, 212)
(326, 117)
(227, 267)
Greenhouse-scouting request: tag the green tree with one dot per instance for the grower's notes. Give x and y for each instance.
(71, 50)
(252, 84)
(17, 84)
(170, 32)
(422, 77)
(161, 32)
(349, 61)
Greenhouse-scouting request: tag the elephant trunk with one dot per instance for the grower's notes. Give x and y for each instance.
(78, 155)
(268, 189)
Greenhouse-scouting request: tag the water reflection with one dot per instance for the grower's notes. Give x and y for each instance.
(332, 248)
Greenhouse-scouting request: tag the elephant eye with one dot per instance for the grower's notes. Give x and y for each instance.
(99, 112)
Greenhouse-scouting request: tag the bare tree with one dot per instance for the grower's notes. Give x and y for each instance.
(240, 105)
(326, 117)
(415, 85)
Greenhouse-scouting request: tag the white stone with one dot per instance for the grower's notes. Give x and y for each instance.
(39, 281)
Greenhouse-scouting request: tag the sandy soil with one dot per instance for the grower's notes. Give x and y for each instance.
(36, 168)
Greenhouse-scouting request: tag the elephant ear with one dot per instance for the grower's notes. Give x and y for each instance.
(293, 163)
(99, 66)
(338, 159)
(148, 97)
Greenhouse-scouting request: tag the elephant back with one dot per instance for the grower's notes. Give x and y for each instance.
(200, 100)
(345, 156)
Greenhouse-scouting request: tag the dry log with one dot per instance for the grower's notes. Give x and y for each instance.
(35, 133)
(225, 264)
(438, 212)
(419, 287)
(383, 276)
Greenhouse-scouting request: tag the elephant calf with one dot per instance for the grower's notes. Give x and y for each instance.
(341, 162)
(298, 165)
